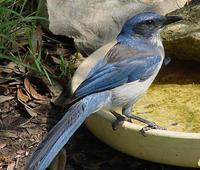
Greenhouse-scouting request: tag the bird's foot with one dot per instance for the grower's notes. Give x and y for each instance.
(120, 119)
(130, 117)
(151, 125)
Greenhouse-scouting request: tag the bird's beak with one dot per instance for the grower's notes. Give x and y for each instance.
(172, 19)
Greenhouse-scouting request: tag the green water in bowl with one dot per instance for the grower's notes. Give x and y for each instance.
(173, 101)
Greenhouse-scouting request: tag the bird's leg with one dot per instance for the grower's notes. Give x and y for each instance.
(127, 111)
(128, 116)
(120, 119)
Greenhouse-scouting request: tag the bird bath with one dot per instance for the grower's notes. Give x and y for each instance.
(173, 101)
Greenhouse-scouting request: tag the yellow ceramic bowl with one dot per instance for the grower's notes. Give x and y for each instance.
(167, 147)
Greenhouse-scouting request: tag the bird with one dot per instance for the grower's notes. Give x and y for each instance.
(119, 79)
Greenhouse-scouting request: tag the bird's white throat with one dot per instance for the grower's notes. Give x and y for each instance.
(156, 40)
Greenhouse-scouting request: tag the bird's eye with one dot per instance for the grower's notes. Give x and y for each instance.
(150, 22)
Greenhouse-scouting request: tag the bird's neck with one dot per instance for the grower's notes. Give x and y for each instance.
(140, 42)
(156, 40)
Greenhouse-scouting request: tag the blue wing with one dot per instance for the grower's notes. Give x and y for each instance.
(127, 67)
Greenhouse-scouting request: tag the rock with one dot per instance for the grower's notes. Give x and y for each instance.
(93, 23)
(182, 39)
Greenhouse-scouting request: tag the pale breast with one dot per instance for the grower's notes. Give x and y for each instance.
(130, 92)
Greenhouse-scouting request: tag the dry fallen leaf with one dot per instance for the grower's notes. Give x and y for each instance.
(20, 152)
(8, 134)
(11, 166)
(31, 111)
(37, 39)
(19, 44)
(10, 67)
(2, 145)
(56, 60)
(22, 96)
(48, 68)
(16, 82)
(5, 98)
(31, 90)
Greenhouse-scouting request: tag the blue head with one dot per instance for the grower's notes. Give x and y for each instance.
(146, 24)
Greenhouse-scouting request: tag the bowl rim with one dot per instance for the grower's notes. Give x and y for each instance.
(155, 132)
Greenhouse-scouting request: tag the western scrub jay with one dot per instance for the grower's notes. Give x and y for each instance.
(119, 79)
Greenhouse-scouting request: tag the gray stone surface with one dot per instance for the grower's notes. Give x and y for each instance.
(182, 40)
(93, 23)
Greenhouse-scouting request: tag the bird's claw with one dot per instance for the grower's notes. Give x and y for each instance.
(150, 126)
(120, 119)
(116, 123)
